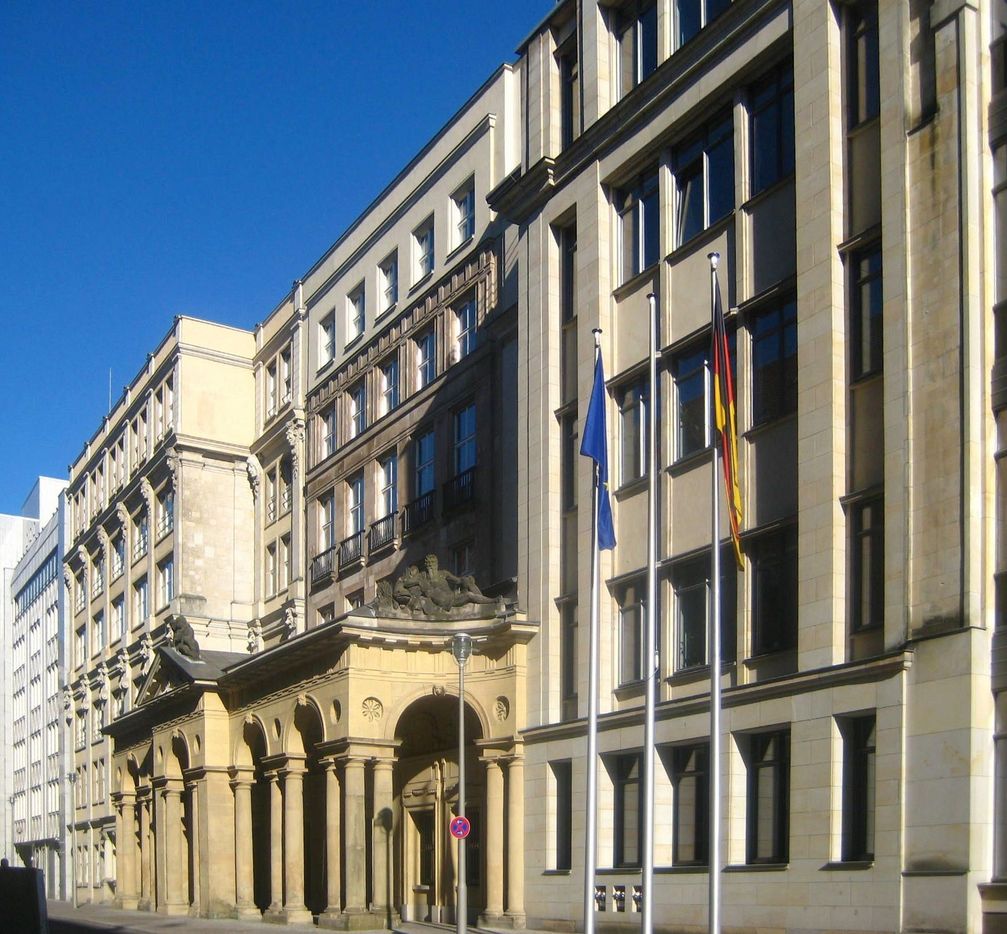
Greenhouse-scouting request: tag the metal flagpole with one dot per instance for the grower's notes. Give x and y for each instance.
(714, 626)
(591, 832)
(650, 666)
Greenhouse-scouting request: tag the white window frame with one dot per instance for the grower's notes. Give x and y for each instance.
(389, 468)
(358, 410)
(423, 242)
(356, 310)
(327, 339)
(355, 504)
(388, 278)
(466, 336)
(389, 385)
(426, 358)
(464, 210)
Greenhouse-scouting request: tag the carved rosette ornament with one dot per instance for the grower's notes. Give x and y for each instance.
(371, 709)
(254, 475)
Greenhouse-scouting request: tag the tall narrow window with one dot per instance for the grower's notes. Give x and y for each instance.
(465, 328)
(867, 549)
(688, 370)
(692, 609)
(771, 128)
(866, 314)
(859, 783)
(628, 810)
(774, 611)
(568, 658)
(631, 614)
(426, 359)
(774, 362)
(636, 39)
(327, 339)
(639, 224)
(563, 776)
(633, 434)
(690, 781)
(327, 422)
(863, 85)
(569, 92)
(327, 521)
(355, 504)
(423, 242)
(389, 485)
(286, 379)
(355, 310)
(388, 276)
(389, 385)
(166, 581)
(424, 459)
(464, 201)
(704, 179)
(768, 797)
(358, 410)
(465, 439)
(141, 607)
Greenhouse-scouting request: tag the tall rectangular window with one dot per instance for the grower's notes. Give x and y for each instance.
(563, 775)
(636, 40)
(358, 410)
(327, 521)
(389, 385)
(286, 378)
(771, 128)
(774, 362)
(690, 782)
(866, 342)
(863, 84)
(389, 485)
(692, 609)
(423, 249)
(768, 797)
(465, 328)
(426, 359)
(327, 421)
(355, 504)
(464, 201)
(166, 581)
(355, 310)
(633, 431)
(141, 607)
(118, 618)
(692, 15)
(631, 617)
(569, 91)
(867, 551)
(424, 459)
(465, 439)
(568, 658)
(774, 610)
(859, 785)
(639, 212)
(689, 373)
(388, 279)
(704, 179)
(98, 632)
(327, 339)
(628, 810)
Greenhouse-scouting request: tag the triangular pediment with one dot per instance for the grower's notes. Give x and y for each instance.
(162, 678)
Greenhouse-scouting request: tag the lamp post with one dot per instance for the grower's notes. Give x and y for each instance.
(461, 649)
(73, 836)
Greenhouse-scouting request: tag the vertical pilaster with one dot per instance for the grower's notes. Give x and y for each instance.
(354, 838)
(174, 902)
(494, 843)
(381, 840)
(275, 845)
(125, 835)
(143, 807)
(515, 841)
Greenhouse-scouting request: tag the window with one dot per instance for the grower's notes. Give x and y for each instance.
(863, 85)
(118, 618)
(271, 390)
(636, 39)
(389, 385)
(355, 314)
(388, 281)
(690, 781)
(771, 128)
(628, 810)
(689, 373)
(568, 658)
(97, 633)
(866, 340)
(166, 512)
(389, 485)
(355, 504)
(692, 609)
(327, 422)
(80, 646)
(704, 179)
(424, 453)
(327, 339)
(692, 15)
(327, 521)
(423, 241)
(165, 581)
(465, 439)
(631, 632)
(859, 784)
(118, 555)
(465, 324)
(358, 410)
(569, 92)
(563, 776)
(140, 534)
(464, 201)
(768, 797)
(141, 607)
(426, 359)
(285, 377)
(774, 362)
(639, 225)
(633, 433)
(867, 552)
(774, 610)
(461, 558)
(283, 563)
(271, 569)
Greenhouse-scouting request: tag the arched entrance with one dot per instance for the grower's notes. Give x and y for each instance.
(426, 787)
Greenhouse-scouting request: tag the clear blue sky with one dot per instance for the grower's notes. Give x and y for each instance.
(194, 158)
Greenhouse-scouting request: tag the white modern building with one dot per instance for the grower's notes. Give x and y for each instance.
(36, 655)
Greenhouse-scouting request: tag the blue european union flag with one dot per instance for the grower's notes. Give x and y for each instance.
(594, 444)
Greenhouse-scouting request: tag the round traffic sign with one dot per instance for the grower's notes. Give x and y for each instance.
(460, 827)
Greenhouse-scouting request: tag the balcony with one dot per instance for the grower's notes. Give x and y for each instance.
(417, 513)
(97, 586)
(382, 533)
(460, 491)
(351, 549)
(323, 564)
(140, 545)
(166, 523)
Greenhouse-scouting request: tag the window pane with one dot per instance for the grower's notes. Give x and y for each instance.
(689, 22)
(720, 173)
(692, 608)
(691, 399)
(650, 223)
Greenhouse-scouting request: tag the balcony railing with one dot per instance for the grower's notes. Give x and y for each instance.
(166, 523)
(460, 490)
(322, 565)
(97, 585)
(418, 512)
(81, 602)
(270, 510)
(118, 566)
(351, 548)
(382, 532)
(140, 545)
(285, 500)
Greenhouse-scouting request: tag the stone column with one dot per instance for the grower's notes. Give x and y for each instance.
(293, 843)
(515, 841)
(332, 848)
(144, 809)
(244, 893)
(354, 839)
(275, 845)
(494, 844)
(173, 846)
(125, 835)
(381, 840)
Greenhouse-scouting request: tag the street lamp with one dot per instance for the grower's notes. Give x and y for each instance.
(461, 649)
(73, 836)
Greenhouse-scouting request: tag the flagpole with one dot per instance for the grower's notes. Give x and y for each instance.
(650, 668)
(714, 626)
(591, 832)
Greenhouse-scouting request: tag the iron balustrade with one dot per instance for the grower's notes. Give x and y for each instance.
(285, 500)
(382, 532)
(140, 546)
(418, 512)
(322, 564)
(351, 548)
(165, 523)
(460, 490)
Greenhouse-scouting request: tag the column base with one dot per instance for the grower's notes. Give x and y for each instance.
(144, 904)
(173, 910)
(515, 920)
(383, 918)
(352, 919)
(490, 919)
(297, 915)
(274, 915)
(126, 903)
(247, 913)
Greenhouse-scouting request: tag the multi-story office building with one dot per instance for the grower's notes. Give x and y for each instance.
(38, 750)
(160, 525)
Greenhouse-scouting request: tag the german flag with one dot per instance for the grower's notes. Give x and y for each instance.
(726, 420)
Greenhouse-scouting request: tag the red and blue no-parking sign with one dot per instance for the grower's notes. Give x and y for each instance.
(460, 827)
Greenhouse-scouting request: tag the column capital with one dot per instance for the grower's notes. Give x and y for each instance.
(382, 764)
